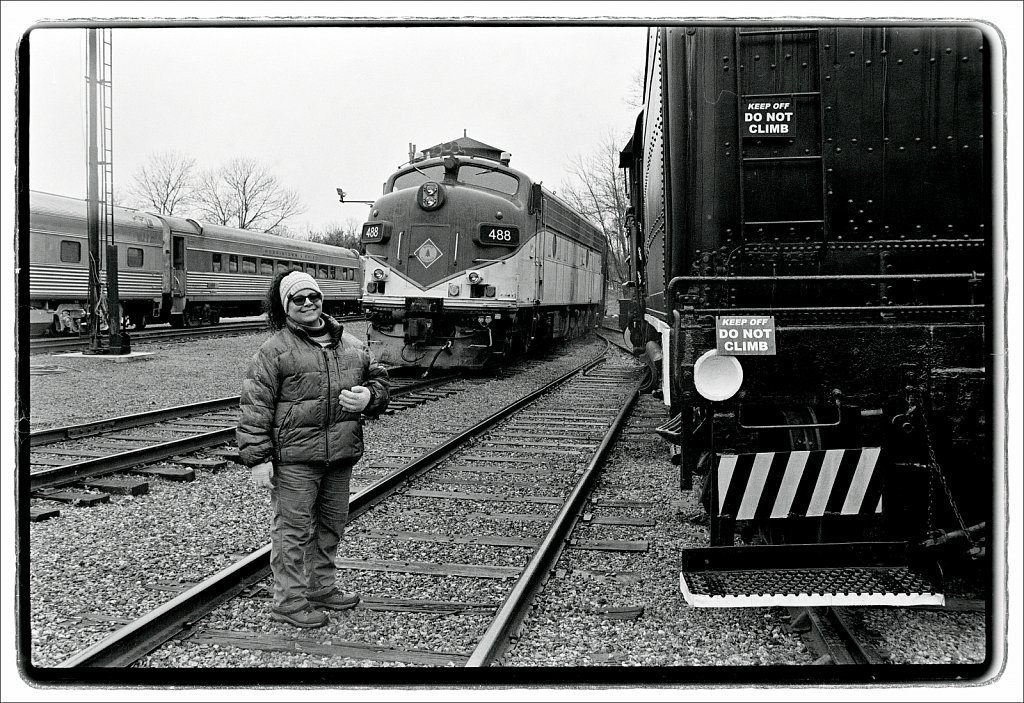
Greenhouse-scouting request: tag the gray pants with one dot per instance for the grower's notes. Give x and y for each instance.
(310, 507)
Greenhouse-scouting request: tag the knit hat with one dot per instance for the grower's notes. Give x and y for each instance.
(294, 282)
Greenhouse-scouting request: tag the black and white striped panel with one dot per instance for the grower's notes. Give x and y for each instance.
(799, 484)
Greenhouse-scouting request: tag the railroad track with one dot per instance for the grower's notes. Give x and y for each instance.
(54, 345)
(840, 637)
(74, 463)
(520, 478)
(836, 634)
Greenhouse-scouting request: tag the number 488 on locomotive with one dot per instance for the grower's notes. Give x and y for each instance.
(829, 191)
(469, 262)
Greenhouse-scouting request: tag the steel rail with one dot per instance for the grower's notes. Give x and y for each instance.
(858, 651)
(87, 429)
(91, 468)
(41, 344)
(140, 637)
(827, 631)
(67, 474)
(147, 336)
(513, 611)
(388, 484)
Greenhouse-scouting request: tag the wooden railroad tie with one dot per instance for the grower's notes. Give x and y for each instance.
(170, 473)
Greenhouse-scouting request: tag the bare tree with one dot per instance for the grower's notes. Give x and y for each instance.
(165, 184)
(245, 194)
(635, 97)
(214, 202)
(339, 235)
(596, 187)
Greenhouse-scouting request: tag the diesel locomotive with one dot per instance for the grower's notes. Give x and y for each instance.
(469, 262)
(170, 269)
(812, 244)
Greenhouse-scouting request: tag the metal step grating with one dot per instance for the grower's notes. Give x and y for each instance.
(789, 575)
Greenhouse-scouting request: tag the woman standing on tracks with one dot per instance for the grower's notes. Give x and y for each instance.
(300, 432)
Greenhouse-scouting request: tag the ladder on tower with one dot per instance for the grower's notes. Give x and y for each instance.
(119, 342)
(106, 127)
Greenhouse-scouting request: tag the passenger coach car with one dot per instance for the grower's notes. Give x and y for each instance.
(170, 269)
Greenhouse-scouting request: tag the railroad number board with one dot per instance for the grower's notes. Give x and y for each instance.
(745, 335)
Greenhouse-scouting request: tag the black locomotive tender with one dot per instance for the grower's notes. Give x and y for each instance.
(812, 246)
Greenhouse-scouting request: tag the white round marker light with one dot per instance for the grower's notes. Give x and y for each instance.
(717, 376)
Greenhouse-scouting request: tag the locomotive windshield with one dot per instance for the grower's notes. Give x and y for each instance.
(489, 178)
(417, 177)
(469, 174)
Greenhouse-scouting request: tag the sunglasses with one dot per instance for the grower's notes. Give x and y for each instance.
(300, 300)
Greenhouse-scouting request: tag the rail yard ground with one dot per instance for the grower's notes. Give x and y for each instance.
(214, 520)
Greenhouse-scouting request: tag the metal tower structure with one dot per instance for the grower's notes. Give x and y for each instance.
(100, 197)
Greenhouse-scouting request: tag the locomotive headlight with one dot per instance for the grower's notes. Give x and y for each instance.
(454, 289)
(475, 277)
(717, 376)
(380, 275)
(431, 195)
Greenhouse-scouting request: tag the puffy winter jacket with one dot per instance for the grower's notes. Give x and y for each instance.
(291, 413)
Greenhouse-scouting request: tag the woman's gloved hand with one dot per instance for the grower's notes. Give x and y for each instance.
(262, 475)
(356, 399)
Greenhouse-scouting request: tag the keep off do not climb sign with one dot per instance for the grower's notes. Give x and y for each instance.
(745, 335)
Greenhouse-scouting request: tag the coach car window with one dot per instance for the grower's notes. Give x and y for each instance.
(232, 263)
(267, 267)
(283, 266)
(135, 257)
(489, 178)
(418, 176)
(70, 252)
(321, 272)
(218, 263)
(248, 264)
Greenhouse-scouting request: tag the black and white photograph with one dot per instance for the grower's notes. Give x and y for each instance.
(532, 349)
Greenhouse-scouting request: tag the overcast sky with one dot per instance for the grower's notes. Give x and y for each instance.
(327, 107)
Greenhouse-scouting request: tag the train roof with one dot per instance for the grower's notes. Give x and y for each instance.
(42, 203)
(274, 241)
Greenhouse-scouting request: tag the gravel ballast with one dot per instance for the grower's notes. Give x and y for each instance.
(93, 568)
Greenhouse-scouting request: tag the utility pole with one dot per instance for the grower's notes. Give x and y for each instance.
(101, 193)
(92, 198)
